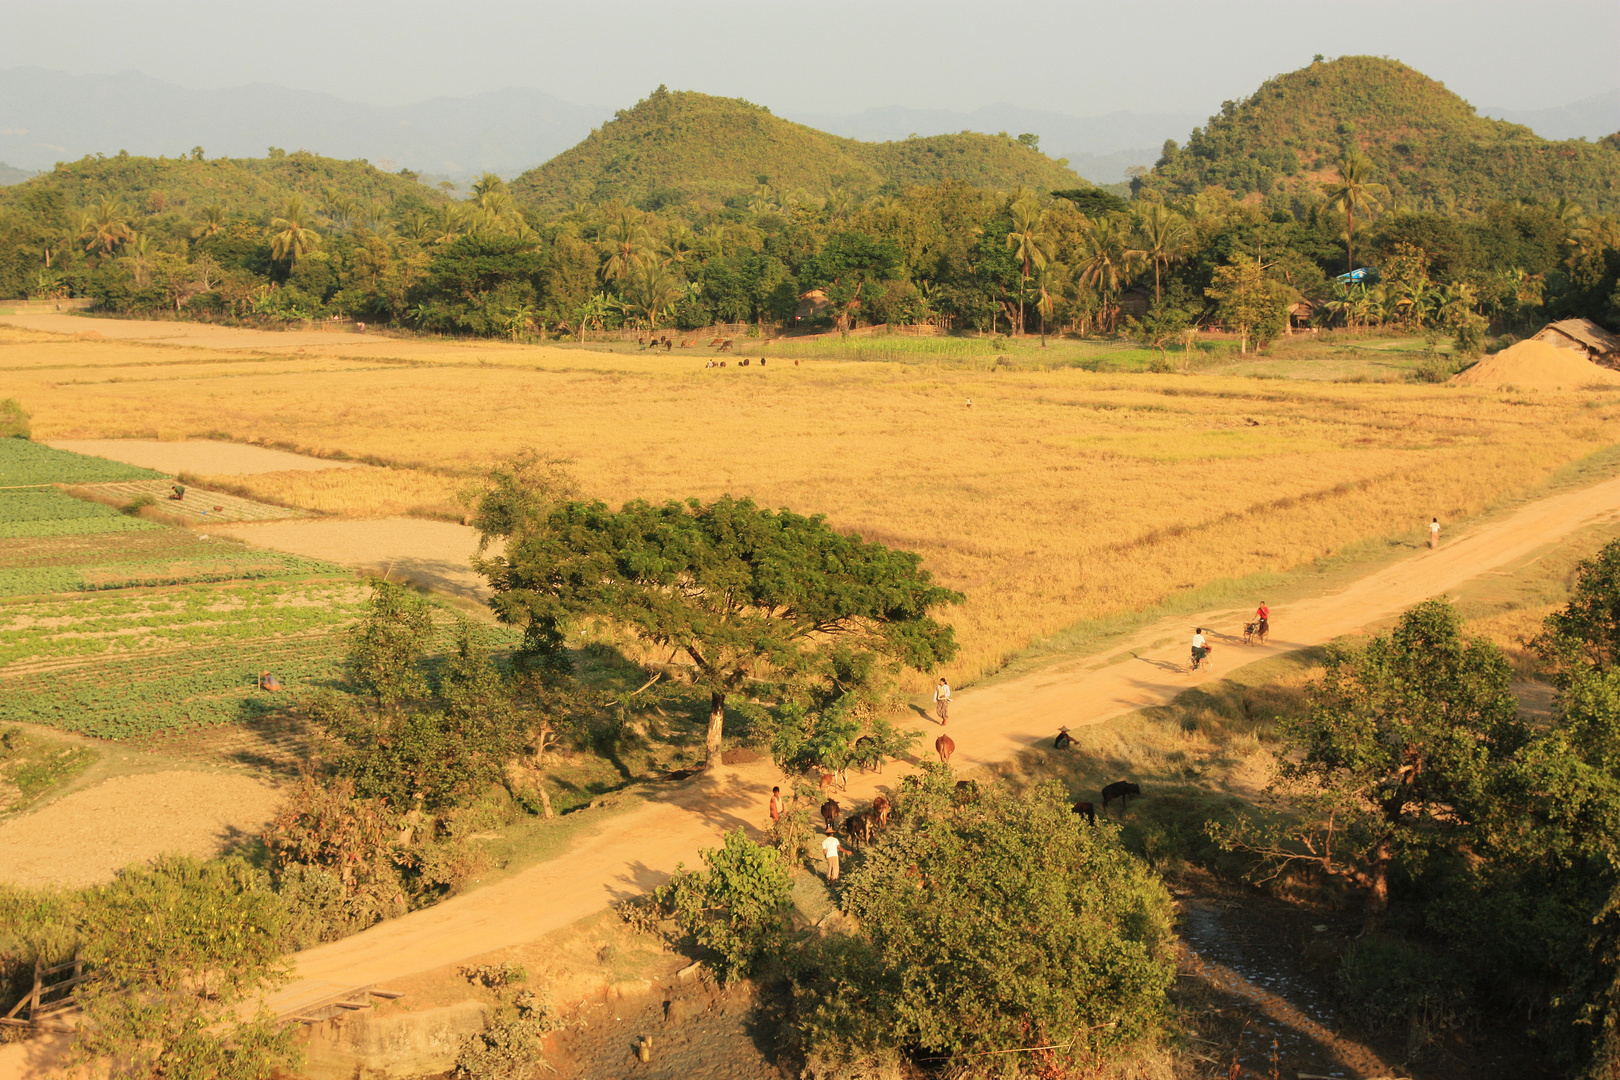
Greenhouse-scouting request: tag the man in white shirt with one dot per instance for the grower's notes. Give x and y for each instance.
(942, 701)
(1200, 648)
(1434, 534)
(830, 849)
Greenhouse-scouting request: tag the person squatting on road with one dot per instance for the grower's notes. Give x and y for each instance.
(942, 701)
(829, 849)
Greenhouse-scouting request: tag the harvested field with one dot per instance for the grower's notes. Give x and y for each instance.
(199, 504)
(85, 837)
(1055, 497)
(431, 553)
(198, 456)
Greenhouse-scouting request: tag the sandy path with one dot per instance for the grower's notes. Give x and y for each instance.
(83, 838)
(206, 457)
(632, 852)
(434, 553)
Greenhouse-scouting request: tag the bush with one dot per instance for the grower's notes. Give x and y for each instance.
(14, 420)
(986, 925)
(511, 1046)
(1386, 985)
(736, 909)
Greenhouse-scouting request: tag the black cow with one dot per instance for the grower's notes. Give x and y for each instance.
(1087, 811)
(1121, 790)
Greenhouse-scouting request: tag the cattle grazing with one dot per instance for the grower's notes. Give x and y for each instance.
(967, 791)
(1121, 790)
(829, 813)
(668, 344)
(944, 746)
(1087, 811)
(713, 343)
(795, 363)
(827, 781)
(1063, 741)
(725, 346)
(762, 361)
(859, 828)
(880, 810)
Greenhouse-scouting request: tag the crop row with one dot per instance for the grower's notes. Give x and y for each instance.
(138, 697)
(42, 512)
(24, 462)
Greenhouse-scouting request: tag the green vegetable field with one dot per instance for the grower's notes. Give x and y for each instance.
(27, 464)
(46, 512)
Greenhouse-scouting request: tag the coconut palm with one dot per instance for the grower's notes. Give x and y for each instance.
(651, 291)
(1030, 245)
(292, 236)
(1044, 300)
(625, 245)
(452, 222)
(107, 225)
(1161, 238)
(138, 252)
(1107, 260)
(1354, 190)
(210, 221)
(678, 245)
(486, 185)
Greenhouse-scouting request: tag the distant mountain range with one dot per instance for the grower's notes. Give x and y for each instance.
(49, 116)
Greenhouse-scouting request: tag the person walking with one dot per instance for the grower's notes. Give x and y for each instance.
(1262, 617)
(776, 805)
(1434, 534)
(830, 849)
(942, 701)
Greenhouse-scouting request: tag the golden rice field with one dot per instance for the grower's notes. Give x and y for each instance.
(1054, 497)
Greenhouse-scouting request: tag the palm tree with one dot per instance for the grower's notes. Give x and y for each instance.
(652, 290)
(487, 184)
(1043, 298)
(1354, 191)
(452, 222)
(138, 252)
(1161, 236)
(1108, 261)
(292, 236)
(210, 221)
(678, 244)
(1030, 245)
(107, 225)
(625, 245)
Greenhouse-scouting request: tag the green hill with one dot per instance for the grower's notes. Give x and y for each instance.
(1427, 144)
(683, 147)
(250, 186)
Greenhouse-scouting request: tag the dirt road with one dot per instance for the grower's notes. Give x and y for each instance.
(632, 852)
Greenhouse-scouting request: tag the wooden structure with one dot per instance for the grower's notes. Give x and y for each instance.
(49, 1005)
(1583, 336)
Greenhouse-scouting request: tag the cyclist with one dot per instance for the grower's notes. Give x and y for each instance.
(1200, 648)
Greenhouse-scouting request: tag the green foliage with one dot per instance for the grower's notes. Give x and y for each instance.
(987, 925)
(1396, 757)
(1386, 985)
(14, 420)
(178, 946)
(1249, 301)
(25, 463)
(688, 148)
(387, 647)
(743, 592)
(45, 512)
(736, 909)
(31, 765)
(1586, 631)
(512, 1044)
(1424, 142)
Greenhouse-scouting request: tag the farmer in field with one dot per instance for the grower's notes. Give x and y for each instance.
(942, 701)
(1434, 534)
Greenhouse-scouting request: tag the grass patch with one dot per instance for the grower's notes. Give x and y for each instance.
(24, 463)
(32, 764)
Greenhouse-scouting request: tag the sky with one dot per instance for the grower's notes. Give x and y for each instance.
(1076, 57)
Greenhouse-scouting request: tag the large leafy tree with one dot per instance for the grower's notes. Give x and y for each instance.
(988, 925)
(1398, 754)
(1248, 301)
(742, 592)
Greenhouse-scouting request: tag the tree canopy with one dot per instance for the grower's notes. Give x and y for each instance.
(743, 593)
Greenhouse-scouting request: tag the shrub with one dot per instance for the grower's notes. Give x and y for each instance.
(736, 909)
(14, 420)
(985, 924)
(1386, 985)
(511, 1046)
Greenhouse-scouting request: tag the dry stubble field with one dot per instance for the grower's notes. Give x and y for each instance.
(1054, 497)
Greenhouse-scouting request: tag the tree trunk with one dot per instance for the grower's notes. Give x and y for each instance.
(717, 720)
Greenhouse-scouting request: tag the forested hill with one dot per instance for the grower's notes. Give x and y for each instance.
(1426, 144)
(686, 147)
(251, 186)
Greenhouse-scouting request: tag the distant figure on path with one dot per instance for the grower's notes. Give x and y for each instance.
(1434, 534)
(942, 701)
(830, 849)
(776, 804)
(1262, 615)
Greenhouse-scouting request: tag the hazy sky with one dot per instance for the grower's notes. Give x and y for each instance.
(828, 57)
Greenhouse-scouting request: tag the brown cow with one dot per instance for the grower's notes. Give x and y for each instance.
(880, 810)
(1087, 811)
(859, 828)
(827, 782)
(829, 813)
(944, 746)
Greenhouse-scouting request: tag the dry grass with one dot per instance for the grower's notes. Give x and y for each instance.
(1055, 497)
(358, 492)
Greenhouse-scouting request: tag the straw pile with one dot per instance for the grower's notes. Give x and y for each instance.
(1539, 365)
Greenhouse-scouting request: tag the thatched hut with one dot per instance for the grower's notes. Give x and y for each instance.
(1583, 336)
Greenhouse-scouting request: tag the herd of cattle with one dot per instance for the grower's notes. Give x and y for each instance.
(863, 826)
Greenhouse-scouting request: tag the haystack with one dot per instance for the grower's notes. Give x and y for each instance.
(1538, 365)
